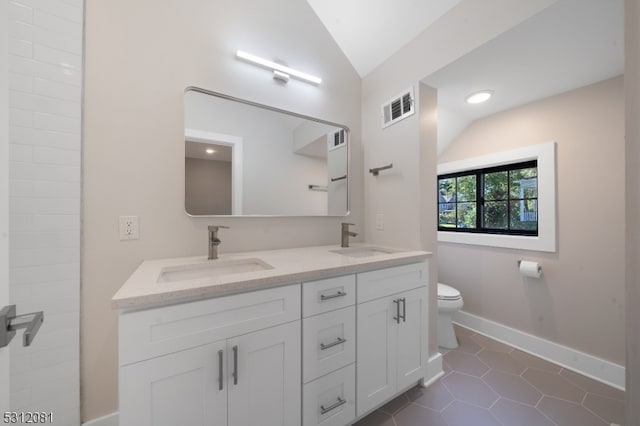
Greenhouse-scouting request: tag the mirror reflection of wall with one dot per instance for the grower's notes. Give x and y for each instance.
(207, 178)
(276, 164)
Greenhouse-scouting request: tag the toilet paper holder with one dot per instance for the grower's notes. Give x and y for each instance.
(539, 266)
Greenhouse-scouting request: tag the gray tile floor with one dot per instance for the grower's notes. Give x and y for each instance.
(487, 383)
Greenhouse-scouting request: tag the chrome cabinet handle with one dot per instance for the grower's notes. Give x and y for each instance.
(220, 378)
(340, 403)
(338, 178)
(235, 365)
(332, 296)
(397, 317)
(332, 344)
(402, 317)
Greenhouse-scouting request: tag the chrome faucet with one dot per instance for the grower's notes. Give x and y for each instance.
(346, 234)
(214, 241)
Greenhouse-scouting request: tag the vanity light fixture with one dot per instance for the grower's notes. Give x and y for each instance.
(280, 76)
(210, 151)
(280, 72)
(479, 97)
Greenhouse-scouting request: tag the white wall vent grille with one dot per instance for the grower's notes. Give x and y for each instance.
(398, 108)
(336, 139)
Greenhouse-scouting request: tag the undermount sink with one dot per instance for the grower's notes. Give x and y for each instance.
(365, 251)
(211, 269)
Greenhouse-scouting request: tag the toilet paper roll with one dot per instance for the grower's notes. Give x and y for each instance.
(530, 269)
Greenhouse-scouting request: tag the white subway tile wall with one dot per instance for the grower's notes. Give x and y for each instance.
(45, 104)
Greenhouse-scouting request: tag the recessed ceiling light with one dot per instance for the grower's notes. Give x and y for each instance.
(479, 97)
(210, 151)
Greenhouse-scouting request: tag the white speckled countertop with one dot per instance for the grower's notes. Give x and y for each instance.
(143, 290)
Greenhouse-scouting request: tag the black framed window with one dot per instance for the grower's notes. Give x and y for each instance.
(492, 200)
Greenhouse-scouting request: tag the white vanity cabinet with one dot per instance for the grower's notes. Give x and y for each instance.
(229, 361)
(392, 332)
(329, 342)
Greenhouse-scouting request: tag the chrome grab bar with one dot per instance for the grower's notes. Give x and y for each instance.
(332, 344)
(333, 406)
(333, 296)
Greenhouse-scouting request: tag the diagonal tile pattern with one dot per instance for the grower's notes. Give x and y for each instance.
(488, 383)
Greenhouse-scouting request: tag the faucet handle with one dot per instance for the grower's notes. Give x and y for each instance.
(348, 224)
(214, 228)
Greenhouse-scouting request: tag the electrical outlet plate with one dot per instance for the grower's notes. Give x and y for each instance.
(129, 229)
(380, 222)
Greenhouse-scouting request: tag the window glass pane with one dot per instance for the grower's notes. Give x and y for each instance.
(495, 186)
(447, 215)
(446, 190)
(467, 188)
(466, 215)
(524, 183)
(495, 215)
(507, 201)
(524, 215)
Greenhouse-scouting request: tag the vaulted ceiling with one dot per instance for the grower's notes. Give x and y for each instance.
(370, 31)
(569, 44)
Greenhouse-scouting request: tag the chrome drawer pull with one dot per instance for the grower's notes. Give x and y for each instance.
(332, 344)
(397, 317)
(333, 296)
(220, 378)
(235, 365)
(340, 403)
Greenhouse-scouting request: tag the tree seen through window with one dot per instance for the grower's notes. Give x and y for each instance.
(500, 199)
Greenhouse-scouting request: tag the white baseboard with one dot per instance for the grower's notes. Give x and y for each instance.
(108, 420)
(588, 365)
(434, 370)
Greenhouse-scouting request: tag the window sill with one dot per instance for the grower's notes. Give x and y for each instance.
(520, 242)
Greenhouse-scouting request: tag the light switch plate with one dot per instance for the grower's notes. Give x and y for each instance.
(380, 222)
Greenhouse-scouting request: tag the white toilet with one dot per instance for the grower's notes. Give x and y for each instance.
(449, 302)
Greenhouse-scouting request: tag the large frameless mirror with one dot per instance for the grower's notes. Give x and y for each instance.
(247, 159)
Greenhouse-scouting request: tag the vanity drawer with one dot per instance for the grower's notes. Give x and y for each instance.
(328, 342)
(330, 400)
(158, 331)
(384, 282)
(328, 294)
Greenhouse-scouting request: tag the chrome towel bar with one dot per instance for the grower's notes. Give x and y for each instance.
(376, 170)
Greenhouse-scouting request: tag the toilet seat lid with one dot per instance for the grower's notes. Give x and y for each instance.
(446, 292)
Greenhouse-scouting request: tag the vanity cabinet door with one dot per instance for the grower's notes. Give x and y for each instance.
(265, 377)
(392, 346)
(376, 365)
(182, 388)
(412, 338)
